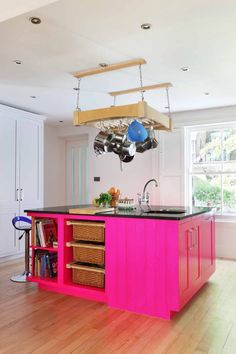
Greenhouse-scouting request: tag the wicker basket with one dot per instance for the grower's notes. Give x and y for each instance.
(88, 231)
(88, 276)
(88, 253)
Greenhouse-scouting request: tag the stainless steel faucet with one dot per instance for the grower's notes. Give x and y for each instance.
(144, 197)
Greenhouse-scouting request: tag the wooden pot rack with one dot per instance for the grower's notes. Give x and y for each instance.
(119, 117)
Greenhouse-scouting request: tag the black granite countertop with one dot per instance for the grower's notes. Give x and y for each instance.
(157, 211)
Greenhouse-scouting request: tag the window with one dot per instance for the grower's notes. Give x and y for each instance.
(212, 167)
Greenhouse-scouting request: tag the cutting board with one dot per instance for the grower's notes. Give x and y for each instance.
(90, 210)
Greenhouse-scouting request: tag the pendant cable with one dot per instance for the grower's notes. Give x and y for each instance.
(78, 96)
(168, 102)
(141, 81)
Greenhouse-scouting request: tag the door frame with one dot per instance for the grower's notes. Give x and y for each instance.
(71, 139)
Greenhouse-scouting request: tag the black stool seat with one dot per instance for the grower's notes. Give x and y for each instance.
(26, 227)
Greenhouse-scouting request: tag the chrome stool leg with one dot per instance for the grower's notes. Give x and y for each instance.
(22, 278)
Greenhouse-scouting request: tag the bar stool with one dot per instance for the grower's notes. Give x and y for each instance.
(26, 227)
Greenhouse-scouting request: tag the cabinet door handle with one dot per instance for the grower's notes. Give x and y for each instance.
(17, 194)
(21, 194)
(190, 239)
(195, 236)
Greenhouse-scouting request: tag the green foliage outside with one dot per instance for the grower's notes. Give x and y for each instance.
(213, 146)
(211, 194)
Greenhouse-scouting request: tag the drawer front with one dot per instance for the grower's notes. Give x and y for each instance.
(88, 277)
(89, 232)
(87, 254)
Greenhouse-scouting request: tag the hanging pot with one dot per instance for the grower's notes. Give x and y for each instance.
(103, 143)
(151, 135)
(116, 143)
(116, 148)
(144, 145)
(137, 132)
(147, 144)
(126, 158)
(128, 148)
(119, 138)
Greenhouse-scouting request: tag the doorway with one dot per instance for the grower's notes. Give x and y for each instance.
(77, 170)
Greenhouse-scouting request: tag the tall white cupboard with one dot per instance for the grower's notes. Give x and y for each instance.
(21, 172)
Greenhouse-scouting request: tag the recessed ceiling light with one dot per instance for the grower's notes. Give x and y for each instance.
(103, 65)
(17, 61)
(185, 68)
(32, 96)
(146, 26)
(207, 93)
(35, 20)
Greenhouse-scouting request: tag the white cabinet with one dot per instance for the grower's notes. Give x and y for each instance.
(171, 167)
(21, 172)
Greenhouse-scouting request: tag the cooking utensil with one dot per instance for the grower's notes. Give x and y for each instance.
(116, 142)
(128, 148)
(126, 158)
(116, 148)
(102, 143)
(144, 146)
(151, 134)
(120, 138)
(149, 143)
(137, 132)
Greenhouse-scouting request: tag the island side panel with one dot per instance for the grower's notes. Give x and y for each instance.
(207, 246)
(136, 265)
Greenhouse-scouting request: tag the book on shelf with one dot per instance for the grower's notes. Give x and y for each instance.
(37, 239)
(45, 264)
(52, 264)
(45, 233)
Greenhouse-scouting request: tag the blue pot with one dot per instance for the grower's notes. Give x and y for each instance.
(137, 132)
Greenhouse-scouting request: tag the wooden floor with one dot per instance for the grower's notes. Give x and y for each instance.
(33, 321)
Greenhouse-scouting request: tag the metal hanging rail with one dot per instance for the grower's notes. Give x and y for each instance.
(119, 117)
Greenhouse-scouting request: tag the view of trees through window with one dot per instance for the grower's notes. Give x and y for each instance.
(213, 168)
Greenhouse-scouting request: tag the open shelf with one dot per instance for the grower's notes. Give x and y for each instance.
(63, 281)
(50, 249)
(44, 233)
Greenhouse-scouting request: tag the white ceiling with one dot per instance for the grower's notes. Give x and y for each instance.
(79, 34)
(13, 8)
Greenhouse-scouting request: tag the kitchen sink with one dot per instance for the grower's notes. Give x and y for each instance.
(165, 211)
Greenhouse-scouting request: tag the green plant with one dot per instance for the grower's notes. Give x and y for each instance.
(104, 199)
(211, 194)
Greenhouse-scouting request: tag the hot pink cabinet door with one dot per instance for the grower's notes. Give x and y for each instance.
(189, 258)
(194, 253)
(136, 255)
(184, 258)
(207, 244)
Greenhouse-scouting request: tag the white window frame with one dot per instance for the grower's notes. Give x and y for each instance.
(188, 174)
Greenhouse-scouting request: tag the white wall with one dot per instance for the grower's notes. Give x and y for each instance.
(107, 167)
(130, 181)
(205, 116)
(54, 167)
(166, 163)
(171, 167)
(171, 156)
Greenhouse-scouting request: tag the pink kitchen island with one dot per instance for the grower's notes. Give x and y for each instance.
(154, 262)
